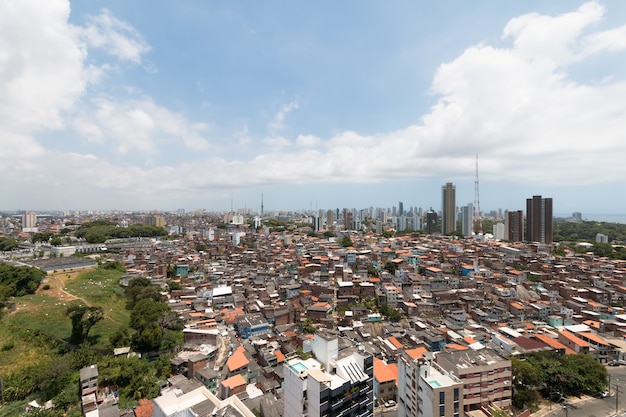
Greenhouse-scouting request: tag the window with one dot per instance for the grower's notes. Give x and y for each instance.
(442, 410)
(442, 397)
(456, 394)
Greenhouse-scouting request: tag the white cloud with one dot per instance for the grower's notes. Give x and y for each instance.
(116, 37)
(541, 37)
(276, 142)
(139, 125)
(516, 106)
(278, 122)
(308, 141)
(41, 72)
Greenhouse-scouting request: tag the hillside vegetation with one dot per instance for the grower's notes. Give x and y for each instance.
(49, 335)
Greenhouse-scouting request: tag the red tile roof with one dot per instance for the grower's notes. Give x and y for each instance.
(385, 372)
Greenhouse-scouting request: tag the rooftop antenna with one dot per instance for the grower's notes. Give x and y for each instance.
(261, 205)
(478, 218)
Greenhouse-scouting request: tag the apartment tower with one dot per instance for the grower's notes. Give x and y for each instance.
(431, 222)
(425, 389)
(539, 219)
(448, 208)
(467, 219)
(514, 226)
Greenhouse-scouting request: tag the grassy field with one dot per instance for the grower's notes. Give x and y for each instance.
(45, 312)
(100, 288)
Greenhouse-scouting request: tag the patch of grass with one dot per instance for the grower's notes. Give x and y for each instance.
(42, 314)
(101, 288)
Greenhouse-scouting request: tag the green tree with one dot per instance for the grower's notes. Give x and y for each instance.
(17, 281)
(308, 327)
(391, 313)
(525, 375)
(346, 241)
(8, 244)
(121, 338)
(391, 267)
(83, 319)
(56, 241)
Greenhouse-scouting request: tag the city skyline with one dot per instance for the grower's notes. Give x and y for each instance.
(115, 106)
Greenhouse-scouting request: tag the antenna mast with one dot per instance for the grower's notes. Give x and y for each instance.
(478, 218)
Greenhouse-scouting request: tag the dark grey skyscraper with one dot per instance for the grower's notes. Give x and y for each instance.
(514, 226)
(431, 222)
(448, 208)
(539, 219)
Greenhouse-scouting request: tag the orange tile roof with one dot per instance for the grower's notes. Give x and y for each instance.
(279, 356)
(416, 353)
(237, 360)
(144, 409)
(554, 343)
(384, 372)
(234, 381)
(456, 346)
(597, 339)
(575, 339)
(469, 340)
(395, 342)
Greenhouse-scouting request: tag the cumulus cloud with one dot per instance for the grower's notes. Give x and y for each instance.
(115, 37)
(41, 65)
(139, 125)
(278, 122)
(308, 141)
(517, 106)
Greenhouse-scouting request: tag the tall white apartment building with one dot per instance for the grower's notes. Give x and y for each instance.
(333, 383)
(425, 389)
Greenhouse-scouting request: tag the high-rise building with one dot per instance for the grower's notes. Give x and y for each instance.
(155, 220)
(448, 208)
(400, 208)
(498, 231)
(29, 222)
(467, 219)
(485, 375)
(425, 389)
(334, 383)
(431, 222)
(514, 226)
(539, 219)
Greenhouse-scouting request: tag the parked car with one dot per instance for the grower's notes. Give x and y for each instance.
(605, 394)
(615, 363)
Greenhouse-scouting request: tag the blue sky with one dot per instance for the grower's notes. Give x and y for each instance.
(163, 105)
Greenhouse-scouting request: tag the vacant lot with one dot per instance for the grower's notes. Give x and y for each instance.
(45, 313)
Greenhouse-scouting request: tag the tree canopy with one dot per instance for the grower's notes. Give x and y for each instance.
(7, 244)
(100, 231)
(587, 231)
(549, 373)
(83, 319)
(17, 281)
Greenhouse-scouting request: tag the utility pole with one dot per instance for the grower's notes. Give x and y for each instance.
(617, 391)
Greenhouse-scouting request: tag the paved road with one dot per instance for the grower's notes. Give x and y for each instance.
(597, 407)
